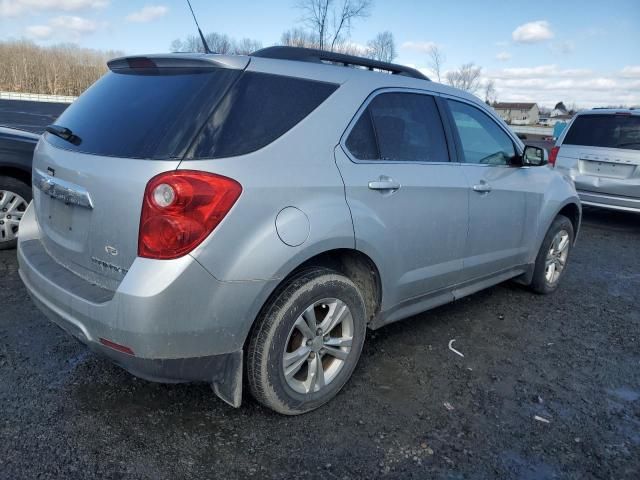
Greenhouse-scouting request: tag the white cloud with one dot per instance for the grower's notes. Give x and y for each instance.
(13, 8)
(41, 32)
(503, 56)
(631, 71)
(549, 84)
(67, 27)
(422, 47)
(533, 32)
(541, 71)
(147, 13)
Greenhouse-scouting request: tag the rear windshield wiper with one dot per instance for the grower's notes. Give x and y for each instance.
(627, 144)
(63, 133)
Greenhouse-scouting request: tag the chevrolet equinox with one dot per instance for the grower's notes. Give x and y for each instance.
(242, 220)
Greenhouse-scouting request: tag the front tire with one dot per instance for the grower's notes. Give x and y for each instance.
(14, 199)
(553, 257)
(307, 342)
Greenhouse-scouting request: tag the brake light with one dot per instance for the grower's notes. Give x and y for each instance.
(180, 209)
(553, 155)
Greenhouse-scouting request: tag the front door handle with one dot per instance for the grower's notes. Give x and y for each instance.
(384, 183)
(482, 187)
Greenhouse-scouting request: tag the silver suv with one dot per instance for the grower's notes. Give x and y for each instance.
(213, 218)
(600, 151)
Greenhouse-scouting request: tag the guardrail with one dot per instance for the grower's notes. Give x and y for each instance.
(544, 131)
(36, 97)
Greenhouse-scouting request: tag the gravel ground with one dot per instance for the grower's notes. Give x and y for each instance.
(571, 358)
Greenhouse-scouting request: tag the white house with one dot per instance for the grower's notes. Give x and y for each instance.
(518, 113)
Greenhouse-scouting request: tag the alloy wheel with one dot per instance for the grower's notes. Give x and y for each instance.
(557, 256)
(318, 345)
(12, 208)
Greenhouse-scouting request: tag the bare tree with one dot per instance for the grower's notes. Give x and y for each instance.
(489, 92)
(331, 20)
(382, 47)
(467, 78)
(298, 37)
(246, 46)
(436, 60)
(63, 69)
(218, 43)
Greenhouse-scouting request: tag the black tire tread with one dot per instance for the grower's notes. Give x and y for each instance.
(538, 281)
(258, 346)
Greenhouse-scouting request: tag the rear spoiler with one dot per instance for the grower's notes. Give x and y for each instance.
(178, 60)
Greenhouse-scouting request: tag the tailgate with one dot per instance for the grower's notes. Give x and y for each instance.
(604, 170)
(88, 209)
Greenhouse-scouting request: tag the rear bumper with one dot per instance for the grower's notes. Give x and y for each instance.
(612, 202)
(223, 372)
(180, 322)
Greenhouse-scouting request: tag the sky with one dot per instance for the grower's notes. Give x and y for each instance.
(582, 52)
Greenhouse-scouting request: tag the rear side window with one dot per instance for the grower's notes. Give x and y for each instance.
(152, 114)
(611, 131)
(259, 109)
(399, 127)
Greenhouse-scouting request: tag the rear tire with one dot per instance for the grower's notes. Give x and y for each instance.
(14, 199)
(306, 342)
(553, 257)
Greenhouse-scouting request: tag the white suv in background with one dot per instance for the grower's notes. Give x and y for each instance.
(600, 150)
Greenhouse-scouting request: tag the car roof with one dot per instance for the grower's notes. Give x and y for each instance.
(327, 72)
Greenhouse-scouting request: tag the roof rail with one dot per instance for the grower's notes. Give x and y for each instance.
(322, 56)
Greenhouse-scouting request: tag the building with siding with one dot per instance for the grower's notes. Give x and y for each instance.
(518, 113)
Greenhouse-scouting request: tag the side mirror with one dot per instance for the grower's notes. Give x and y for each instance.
(534, 156)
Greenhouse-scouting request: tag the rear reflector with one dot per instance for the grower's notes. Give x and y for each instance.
(553, 155)
(180, 209)
(116, 346)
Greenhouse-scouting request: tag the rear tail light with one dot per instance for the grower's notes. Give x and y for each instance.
(553, 155)
(180, 209)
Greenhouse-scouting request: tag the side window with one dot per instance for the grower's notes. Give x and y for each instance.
(483, 141)
(402, 127)
(362, 140)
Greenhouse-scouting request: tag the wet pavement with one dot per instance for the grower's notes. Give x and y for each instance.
(549, 387)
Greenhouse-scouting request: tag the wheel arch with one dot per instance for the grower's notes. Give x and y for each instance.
(573, 212)
(354, 264)
(17, 173)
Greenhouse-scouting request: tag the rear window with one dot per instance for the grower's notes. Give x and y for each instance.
(173, 113)
(611, 131)
(144, 114)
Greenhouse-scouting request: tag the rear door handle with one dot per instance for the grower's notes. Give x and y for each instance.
(482, 188)
(384, 183)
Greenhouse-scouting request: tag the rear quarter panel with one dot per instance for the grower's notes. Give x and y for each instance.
(296, 170)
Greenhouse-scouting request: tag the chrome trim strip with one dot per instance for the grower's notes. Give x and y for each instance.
(68, 192)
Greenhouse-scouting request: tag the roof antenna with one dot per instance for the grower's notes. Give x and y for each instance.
(204, 42)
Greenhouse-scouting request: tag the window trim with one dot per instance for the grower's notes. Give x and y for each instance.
(451, 153)
(518, 148)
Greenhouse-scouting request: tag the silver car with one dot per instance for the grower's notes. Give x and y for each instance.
(600, 151)
(218, 218)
